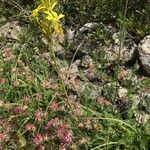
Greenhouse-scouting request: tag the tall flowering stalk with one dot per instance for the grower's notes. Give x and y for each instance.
(49, 22)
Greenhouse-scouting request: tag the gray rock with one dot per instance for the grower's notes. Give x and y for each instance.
(142, 117)
(127, 51)
(145, 100)
(73, 69)
(88, 27)
(122, 92)
(85, 45)
(129, 75)
(87, 61)
(10, 30)
(90, 90)
(144, 53)
(81, 39)
(70, 33)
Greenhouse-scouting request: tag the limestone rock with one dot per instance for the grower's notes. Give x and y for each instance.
(141, 117)
(82, 39)
(122, 92)
(10, 30)
(144, 54)
(87, 61)
(70, 33)
(88, 27)
(127, 50)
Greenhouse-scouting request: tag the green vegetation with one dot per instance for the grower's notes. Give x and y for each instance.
(39, 109)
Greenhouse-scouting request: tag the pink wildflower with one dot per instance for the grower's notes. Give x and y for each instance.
(39, 115)
(64, 134)
(30, 127)
(41, 147)
(38, 96)
(7, 54)
(3, 137)
(54, 106)
(26, 99)
(77, 109)
(102, 101)
(47, 84)
(16, 83)
(88, 124)
(29, 78)
(53, 123)
(14, 70)
(2, 81)
(38, 139)
(19, 110)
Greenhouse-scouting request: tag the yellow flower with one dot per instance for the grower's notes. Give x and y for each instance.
(55, 18)
(35, 11)
(45, 5)
(52, 5)
(46, 8)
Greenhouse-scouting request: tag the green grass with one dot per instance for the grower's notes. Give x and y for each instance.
(31, 94)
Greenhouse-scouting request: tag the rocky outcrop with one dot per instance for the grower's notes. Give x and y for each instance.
(10, 30)
(83, 42)
(82, 39)
(144, 54)
(124, 50)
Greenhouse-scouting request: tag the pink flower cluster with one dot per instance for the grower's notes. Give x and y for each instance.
(77, 109)
(39, 139)
(19, 110)
(39, 115)
(8, 54)
(53, 123)
(61, 131)
(38, 96)
(50, 84)
(47, 84)
(30, 127)
(64, 134)
(2, 81)
(3, 136)
(102, 101)
(26, 99)
(54, 106)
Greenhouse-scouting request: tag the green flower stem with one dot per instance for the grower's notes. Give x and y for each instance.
(106, 144)
(57, 69)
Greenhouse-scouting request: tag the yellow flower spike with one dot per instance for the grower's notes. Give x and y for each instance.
(55, 15)
(35, 11)
(52, 5)
(46, 8)
(44, 4)
(61, 16)
(55, 18)
(58, 29)
(49, 15)
(49, 4)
